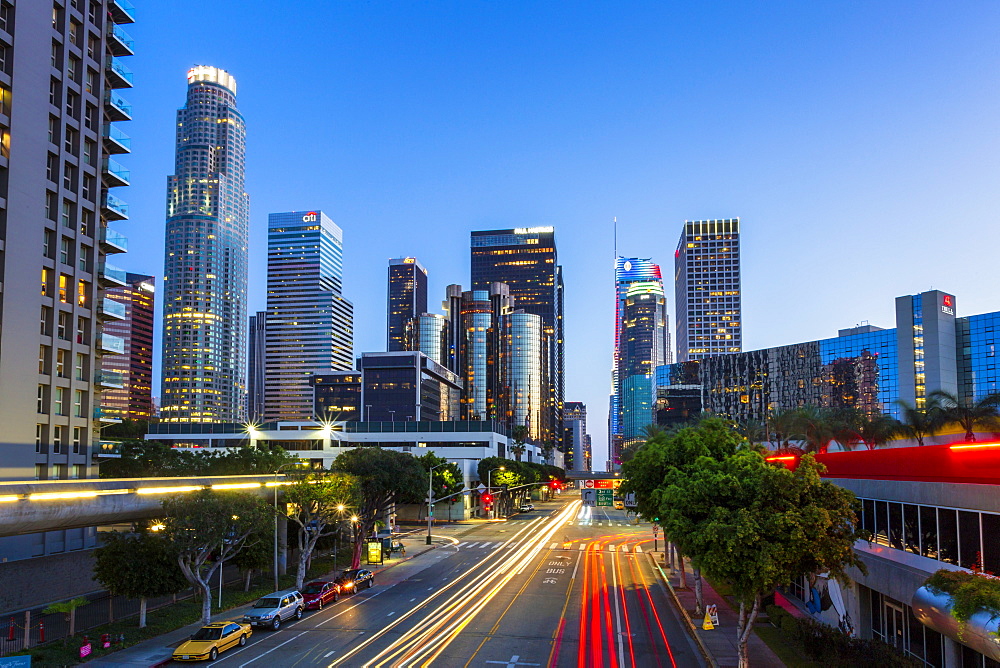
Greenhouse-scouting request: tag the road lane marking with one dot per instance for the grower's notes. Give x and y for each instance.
(412, 600)
(273, 648)
(638, 549)
(391, 613)
(583, 546)
(553, 546)
(328, 654)
(611, 548)
(473, 544)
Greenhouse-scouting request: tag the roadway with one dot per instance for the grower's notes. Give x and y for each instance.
(518, 593)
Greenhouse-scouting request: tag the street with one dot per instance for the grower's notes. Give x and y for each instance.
(521, 592)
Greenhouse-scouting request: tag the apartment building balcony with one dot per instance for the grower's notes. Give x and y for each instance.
(112, 241)
(116, 141)
(111, 275)
(120, 42)
(111, 344)
(117, 107)
(118, 75)
(112, 310)
(121, 11)
(113, 207)
(105, 416)
(109, 379)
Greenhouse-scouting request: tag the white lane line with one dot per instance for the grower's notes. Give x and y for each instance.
(273, 648)
(328, 654)
(624, 548)
(618, 612)
(579, 558)
(638, 548)
(470, 544)
(430, 589)
(391, 613)
(412, 600)
(463, 544)
(553, 546)
(611, 548)
(583, 547)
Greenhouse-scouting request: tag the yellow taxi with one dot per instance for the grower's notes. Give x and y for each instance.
(209, 640)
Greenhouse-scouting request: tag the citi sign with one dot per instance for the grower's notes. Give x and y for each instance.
(310, 217)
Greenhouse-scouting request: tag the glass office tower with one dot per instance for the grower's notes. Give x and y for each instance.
(129, 377)
(643, 348)
(430, 334)
(525, 352)
(707, 289)
(255, 366)
(525, 259)
(205, 289)
(309, 323)
(407, 299)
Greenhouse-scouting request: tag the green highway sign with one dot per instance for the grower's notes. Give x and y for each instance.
(605, 497)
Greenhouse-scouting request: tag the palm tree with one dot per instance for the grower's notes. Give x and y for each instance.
(919, 422)
(520, 434)
(784, 427)
(752, 430)
(968, 413)
(816, 426)
(845, 424)
(879, 430)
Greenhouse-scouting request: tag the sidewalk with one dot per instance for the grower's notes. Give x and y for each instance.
(719, 643)
(158, 651)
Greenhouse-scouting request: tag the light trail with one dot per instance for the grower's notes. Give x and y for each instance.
(440, 625)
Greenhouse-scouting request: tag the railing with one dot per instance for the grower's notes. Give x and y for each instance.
(108, 449)
(112, 273)
(111, 344)
(116, 102)
(116, 207)
(116, 70)
(113, 238)
(105, 416)
(122, 11)
(110, 379)
(114, 135)
(123, 38)
(116, 173)
(112, 308)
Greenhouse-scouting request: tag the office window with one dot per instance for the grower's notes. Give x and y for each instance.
(45, 282)
(39, 431)
(65, 250)
(85, 253)
(969, 547)
(40, 405)
(78, 471)
(40, 472)
(89, 152)
(44, 319)
(896, 525)
(881, 523)
(62, 330)
(43, 359)
(77, 439)
(63, 288)
(947, 535)
(57, 439)
(78, 403)
(51, 168)
(82, 288)
(82, 329)
(80, 367)
(60, 401)
(62, 368)
(67, 213)
(928, 532)
(60, 472)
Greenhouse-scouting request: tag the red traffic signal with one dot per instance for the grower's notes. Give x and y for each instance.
(486, 498)
(555, 484)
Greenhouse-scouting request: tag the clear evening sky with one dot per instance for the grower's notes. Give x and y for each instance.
(858, 143)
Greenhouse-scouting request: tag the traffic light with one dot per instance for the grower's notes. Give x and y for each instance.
(487, 499)
(555, 484)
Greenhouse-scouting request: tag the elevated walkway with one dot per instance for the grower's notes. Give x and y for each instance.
(33, 506)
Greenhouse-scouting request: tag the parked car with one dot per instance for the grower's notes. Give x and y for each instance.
(274, 609)
(355, 580)
(209, 640)
(319, 593)
(524, 508)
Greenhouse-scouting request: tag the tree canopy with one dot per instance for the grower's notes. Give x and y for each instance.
(317, 503)
(138, 565)
(153, 459)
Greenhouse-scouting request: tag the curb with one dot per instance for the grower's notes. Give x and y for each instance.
(692, 630)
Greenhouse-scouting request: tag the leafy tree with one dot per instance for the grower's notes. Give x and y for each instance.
(784, 426)
(520, 434)
(127, 429)
(967, 413)
(384, 478)
(257, 554)
(755, 526)
(152, 459)
(210, 524)
(817, 427)
(446, 480)
(919, 423)
(68, 610)
(138, 565)
(878, 430)
(316, 502)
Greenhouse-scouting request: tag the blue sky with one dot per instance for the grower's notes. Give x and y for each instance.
(858, 143)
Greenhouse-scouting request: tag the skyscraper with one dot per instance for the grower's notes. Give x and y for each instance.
(310, 326)
(639, 343)
(430, 334)
(407, 299)
(708, 292)
(129, 377)
(525, 260)
(255, 366)
(576, 438)
(525, 353)
(205, 291)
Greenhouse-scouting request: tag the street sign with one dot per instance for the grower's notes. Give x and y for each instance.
(589, 497)
(588, 484)
(713, 613)
(605, 497)
(630, 500)
(481, 488)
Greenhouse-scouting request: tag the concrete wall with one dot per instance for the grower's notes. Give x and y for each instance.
(34, 582)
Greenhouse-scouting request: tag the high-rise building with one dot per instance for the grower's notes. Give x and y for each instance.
(525, 260)
(337, 395)
(642, 340)
(310, 326)
(576, 439)
(407, 387)
(205, 290)
(430, 334)
(407, 299)
(61, 70)
(708, 292)
(256, 347)
(129, 377)
(525, 352)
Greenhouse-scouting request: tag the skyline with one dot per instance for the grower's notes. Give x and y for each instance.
(797, 120)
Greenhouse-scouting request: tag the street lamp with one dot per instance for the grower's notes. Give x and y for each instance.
(280, 468)
(489, 484)
(430, 498)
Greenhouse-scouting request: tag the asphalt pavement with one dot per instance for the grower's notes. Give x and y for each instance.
(564, 585)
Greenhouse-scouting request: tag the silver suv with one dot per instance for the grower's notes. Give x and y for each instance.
(271, 610)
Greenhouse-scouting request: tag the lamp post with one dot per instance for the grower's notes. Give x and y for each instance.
(489, 484)
(430, 498)
(280, 468)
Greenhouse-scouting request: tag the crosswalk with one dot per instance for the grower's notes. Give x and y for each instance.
(590, 523)
(486, 545)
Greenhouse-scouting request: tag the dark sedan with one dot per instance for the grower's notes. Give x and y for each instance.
(355, 580)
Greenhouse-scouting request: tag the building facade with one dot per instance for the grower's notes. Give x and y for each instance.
(62, 70)
(525, 259)
(407, 386)
(430, 333)
(407, 299)
(207, 233)
(129, 377)
(525, 353)
(576, 438)
(310, 325)
(256, 347)
(708, 293)
(337, 396)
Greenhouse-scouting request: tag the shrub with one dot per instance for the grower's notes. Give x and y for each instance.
(789, 625)
(833, 649)
(969, 592)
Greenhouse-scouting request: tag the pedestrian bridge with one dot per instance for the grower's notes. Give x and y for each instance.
(592, 475)
(32, 506)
